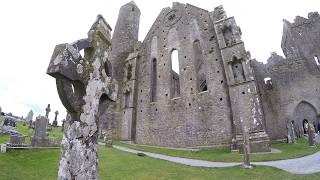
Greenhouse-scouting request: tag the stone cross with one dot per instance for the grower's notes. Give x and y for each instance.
(83, 86)
(56, 115)
(48, 111)
(55, 122)
(246, 146)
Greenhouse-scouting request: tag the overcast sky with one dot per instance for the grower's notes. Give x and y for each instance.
(30, 30)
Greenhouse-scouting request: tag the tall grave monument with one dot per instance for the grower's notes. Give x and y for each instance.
(47, 113)
(55, 122)
(40, 138)
(84, 84)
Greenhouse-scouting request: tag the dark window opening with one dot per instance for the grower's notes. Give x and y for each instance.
(203, 86)
(129, 72)
(126, 99)
(237, 68)
(107, 68)
(228, 36)
(153, 87)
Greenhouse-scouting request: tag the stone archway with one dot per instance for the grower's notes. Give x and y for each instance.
(304, 113)
(106, 119)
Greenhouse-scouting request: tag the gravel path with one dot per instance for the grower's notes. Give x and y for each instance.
(304, 165)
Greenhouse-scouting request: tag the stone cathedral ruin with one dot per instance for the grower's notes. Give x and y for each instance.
(130, 89)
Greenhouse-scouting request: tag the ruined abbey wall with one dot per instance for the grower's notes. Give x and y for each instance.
(194, 116)
(289, 87)
(219, 90)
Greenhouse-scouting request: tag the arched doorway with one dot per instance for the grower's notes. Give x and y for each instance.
(304, 113)
(106, 119)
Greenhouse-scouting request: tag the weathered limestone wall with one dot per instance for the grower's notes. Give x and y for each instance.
(124, 39)
(293, 83)
(194, 118)
(292, 94)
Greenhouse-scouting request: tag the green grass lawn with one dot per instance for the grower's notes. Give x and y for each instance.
(114, 164)
(224, 155)
(4, 138)
(55, 133)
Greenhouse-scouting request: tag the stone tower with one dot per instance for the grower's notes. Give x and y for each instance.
(124, 39)
(244, 99)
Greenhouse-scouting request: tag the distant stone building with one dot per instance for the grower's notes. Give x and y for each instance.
(214, 90)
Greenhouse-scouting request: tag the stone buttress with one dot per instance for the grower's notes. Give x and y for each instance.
(244, 98)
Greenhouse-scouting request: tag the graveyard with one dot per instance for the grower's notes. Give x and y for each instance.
(36, 163)
(114, 164)
(188, 101)
(33, 163)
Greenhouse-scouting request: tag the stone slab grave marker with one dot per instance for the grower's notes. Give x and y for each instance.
(40, 138)
(16, 139)
(3, 148)
(246, 146)
(83, 85)
(292, 138)
(311, 135)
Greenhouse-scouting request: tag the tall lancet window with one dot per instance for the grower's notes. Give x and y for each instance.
(126, 99)
(199, 67)
(175, 74)
(153, 87)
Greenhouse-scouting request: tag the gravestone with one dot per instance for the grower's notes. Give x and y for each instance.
(29, 119)
(40, 138)
(107, 137)
(9, 121)
(62, 126)
(55, 122)
(16, 139)
(311, 135)
(83, 85)
(6, 122)
(246, 147)
(3, 148)
(291, 133)
(47, 113)
(30, 124)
